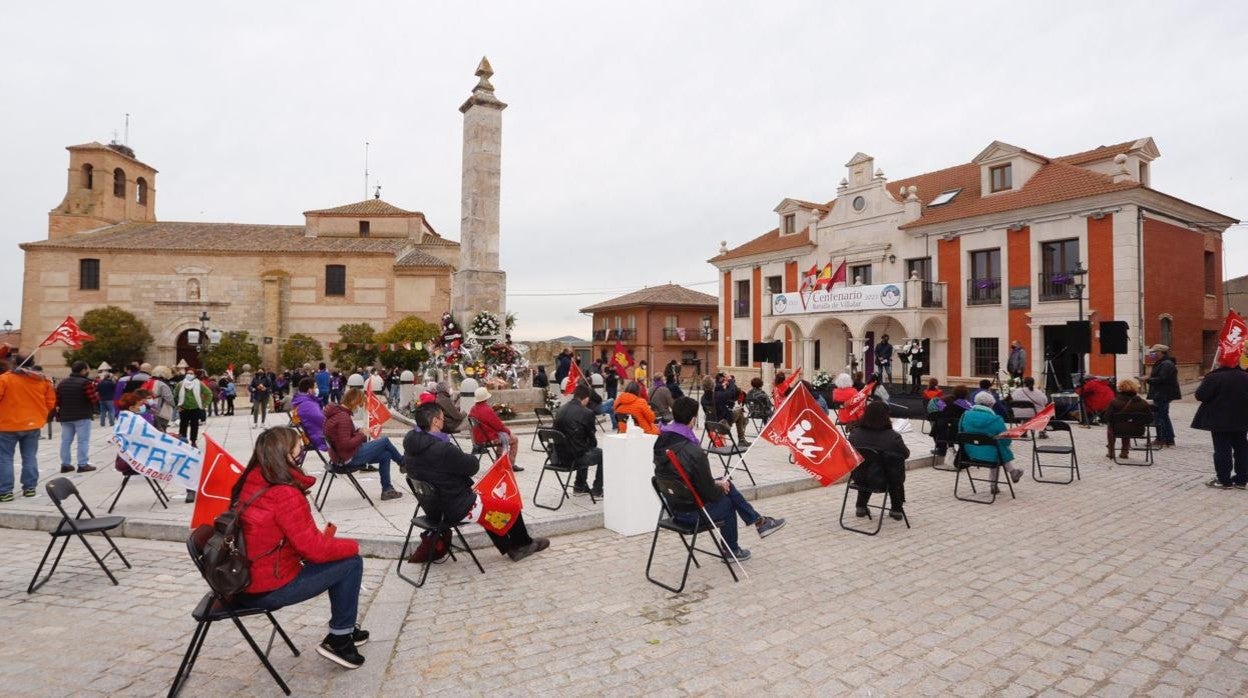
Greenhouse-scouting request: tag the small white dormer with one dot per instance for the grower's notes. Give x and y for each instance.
(796, 215)
(1135, 164)
(1005, 168)
(860, 167)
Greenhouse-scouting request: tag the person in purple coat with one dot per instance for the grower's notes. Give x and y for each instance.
(307, 404)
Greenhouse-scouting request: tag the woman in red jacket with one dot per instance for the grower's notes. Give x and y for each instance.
(351, 447)
(291, 559)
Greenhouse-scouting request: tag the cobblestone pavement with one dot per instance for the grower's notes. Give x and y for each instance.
(1131, 581)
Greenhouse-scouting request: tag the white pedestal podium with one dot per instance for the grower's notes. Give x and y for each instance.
(630, 507)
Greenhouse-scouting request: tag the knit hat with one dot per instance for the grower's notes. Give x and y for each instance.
(1159, 348)
(985, 398)
(481, 395)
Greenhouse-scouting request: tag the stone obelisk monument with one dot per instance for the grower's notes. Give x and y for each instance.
(479, 284)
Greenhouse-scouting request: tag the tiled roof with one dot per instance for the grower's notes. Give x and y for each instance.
(416, 258)
(818, 207)
(216, 237)
(367, 207)
(1103, 152)
(771, 241)
(667, 294)
(1055, 181)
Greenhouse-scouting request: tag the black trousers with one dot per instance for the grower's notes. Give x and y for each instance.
(516, 538)
(189, 422)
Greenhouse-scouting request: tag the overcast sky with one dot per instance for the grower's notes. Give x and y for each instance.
(639, 134)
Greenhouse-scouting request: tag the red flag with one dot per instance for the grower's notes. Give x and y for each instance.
(778, 394)
(810, 279)
(1036, 423)
(1231, 341)
(500, 497)
(574, 376)
(816, 443)
(216, 481)
(829, 278)
(69, 333)
(377, 415)
(620, 360)
(853, 409)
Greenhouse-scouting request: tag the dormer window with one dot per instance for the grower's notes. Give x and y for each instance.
(790, 224)
(1000, 178)
(364, 229)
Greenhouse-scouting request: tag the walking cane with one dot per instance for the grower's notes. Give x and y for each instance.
(702, 507)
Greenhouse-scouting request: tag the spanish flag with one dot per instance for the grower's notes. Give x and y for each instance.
(829, 278)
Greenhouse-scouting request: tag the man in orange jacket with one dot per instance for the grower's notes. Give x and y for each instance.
(26, 400)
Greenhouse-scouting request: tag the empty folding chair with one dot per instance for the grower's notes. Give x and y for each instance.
(59, 490)
(718, 440)
(545, 419)
(1055, 447)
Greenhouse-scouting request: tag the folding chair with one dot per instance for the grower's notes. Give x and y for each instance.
(964, 463)
(161, 497)
(59, 490)
(945, 430)
(214, 607)
(555, 442)
(860, 480)
(673, 495)
(332, 472)
(542, 414)
(427, 499)
(728, 449)
(1135, 426)
(1028, 408)
(756, 412)
(482, 448)
(1060, 449)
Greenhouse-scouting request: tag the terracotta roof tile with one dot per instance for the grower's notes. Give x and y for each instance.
(367, 207)
(667, 294)
(417, 258)
(1103, 152)
(216, 237)
(771, 241)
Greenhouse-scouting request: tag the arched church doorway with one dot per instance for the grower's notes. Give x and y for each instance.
(188, 348)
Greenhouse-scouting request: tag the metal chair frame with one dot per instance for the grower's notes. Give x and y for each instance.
(332, 472)
(1136, 426)
(953, 427)
(726, 452)
(60, 489)
(667, 490)
(425, 494)
(565, 473)
(869, 455)
(1037, 468)
(964, 463)
(161, 497)
(540, 413)
(481, 448)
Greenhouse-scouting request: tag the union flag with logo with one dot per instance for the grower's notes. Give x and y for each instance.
(500, 497)
(377, 415)
(1231, 343)
(216, 481)
(854, 408)
(574, 376)
(818, 445)
(69, 333)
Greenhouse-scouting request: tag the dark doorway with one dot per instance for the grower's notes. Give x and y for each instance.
(188, 350)
(1060, 363)
(869, 358)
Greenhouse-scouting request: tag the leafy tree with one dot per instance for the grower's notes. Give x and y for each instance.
(409, 329)
(301, 349)
(351, 357)
(120, 338)
(234, 348)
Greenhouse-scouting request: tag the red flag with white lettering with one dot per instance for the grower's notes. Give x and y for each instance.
(1231, 341)
(377, 415)
(852, 410)
(1036, 423)
(817, 444)
(500, 497)
(216, 481)
(574, 376)
(69, 333)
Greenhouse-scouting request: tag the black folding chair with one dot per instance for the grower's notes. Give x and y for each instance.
(964, 462)
(59, 490)
(332, 472)
(1067, 450)
(543, 414)
(861, 479)
(214, 607)
(161, 497)
(427, 499)
(1026, 407)
(727, 448)
(1138, 427)
(483, 448)
(756, 410)
(555, 442)
(675, 496)
(945, 430)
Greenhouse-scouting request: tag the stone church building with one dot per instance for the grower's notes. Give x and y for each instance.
(368, 261)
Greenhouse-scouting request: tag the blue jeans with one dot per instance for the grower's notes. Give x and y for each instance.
(80, 428)
(721, 511)
(381, 452)
(107, 412)
(340, 577)
(607, 408)
(1230, 454)
(1161, 413)
(28, 441)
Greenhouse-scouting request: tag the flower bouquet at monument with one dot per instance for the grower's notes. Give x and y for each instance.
(485, 324)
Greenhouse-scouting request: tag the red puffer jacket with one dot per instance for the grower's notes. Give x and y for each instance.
(280, 533)
(344, 439)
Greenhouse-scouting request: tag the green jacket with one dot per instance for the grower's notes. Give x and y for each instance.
(185, 398)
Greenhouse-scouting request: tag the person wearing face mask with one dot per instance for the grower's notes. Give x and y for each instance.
(1163, 388)
(135, 402)
(307, 405)
(191, 397)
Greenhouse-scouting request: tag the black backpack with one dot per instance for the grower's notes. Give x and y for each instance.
(226, 566)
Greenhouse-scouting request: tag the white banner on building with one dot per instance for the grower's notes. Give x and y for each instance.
(841, 298)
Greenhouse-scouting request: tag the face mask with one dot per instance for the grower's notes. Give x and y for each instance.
(316, 392)
(142, 409)
(152, 402)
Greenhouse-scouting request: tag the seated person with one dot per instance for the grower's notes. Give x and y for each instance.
(998, 405)
(661, 401)
(945, 421)
(727, 407)
(631, 404)
(454, 417)
(843, 390)
(757, 396)
(490, 429)
(1128, 400)
(720, 496)
(134, 401)
(349, 445)
(1096, 395)
(307, 407)
(981, 419)
(292, 560)
(429, 456)
(576, 421)
(1028, 393)
(932, 391)
(875, 431)
(673, 386)
(708, 398)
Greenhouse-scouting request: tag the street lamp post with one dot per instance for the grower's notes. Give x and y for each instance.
(707, 334)
(1077, 290)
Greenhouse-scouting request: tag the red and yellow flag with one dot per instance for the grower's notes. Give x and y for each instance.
(620, 360)
(500, 497)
